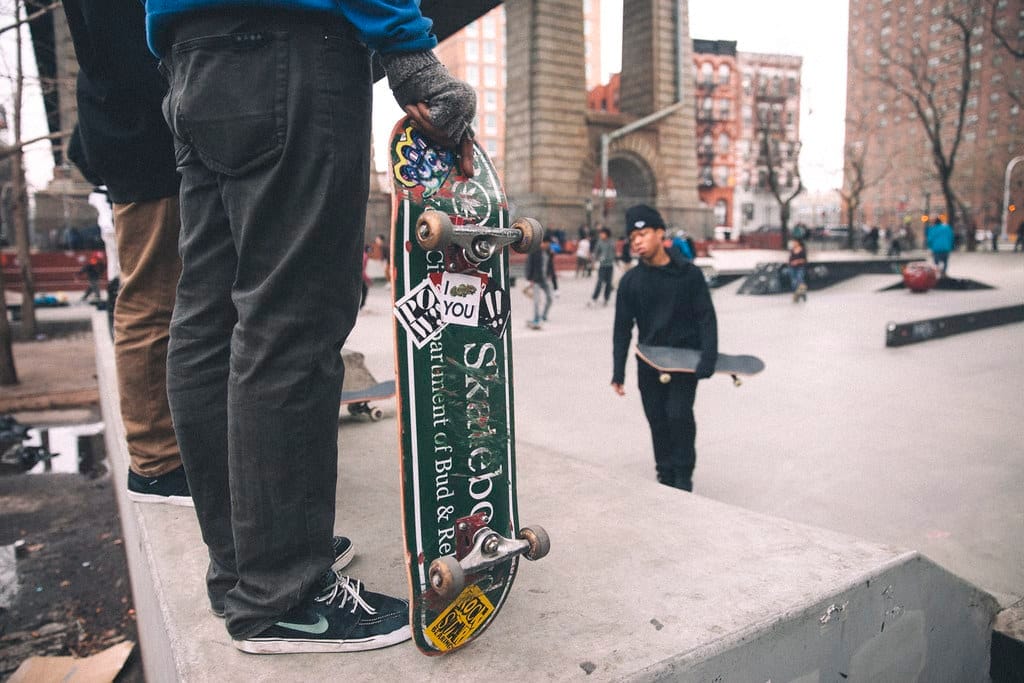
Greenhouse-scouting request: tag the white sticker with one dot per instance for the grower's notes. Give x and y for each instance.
(419, 311)
(460, 299)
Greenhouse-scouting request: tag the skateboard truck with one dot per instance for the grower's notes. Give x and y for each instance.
(435, 230)
(478, 547)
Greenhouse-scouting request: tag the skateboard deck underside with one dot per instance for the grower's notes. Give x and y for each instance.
(454, 378)
(671, 359)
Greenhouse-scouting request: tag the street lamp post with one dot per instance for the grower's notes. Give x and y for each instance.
(1006, 193)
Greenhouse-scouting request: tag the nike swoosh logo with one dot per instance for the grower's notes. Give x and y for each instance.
(317, 628)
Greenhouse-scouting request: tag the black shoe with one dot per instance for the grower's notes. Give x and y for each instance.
(344, 617)
(343, 554)
(170, 488)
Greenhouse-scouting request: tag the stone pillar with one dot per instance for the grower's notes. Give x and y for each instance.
(545, 120)
(653, 31)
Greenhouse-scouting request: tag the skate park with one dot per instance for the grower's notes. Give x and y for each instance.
(856, 510)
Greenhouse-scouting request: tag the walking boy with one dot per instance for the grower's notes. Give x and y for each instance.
(668, 300)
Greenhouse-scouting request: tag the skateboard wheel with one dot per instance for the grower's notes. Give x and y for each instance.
(434, 230)
(538, 539)
(376, 414)
(446, 577)
(664, 378)
(531, 234)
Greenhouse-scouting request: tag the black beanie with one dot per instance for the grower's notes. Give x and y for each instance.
(642, 216)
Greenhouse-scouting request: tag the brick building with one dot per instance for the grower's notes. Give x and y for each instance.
(897, 38)
(739, 95)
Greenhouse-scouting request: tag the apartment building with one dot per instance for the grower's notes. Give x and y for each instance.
(885, 134)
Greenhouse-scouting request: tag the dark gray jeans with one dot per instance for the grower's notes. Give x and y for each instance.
(271, 115)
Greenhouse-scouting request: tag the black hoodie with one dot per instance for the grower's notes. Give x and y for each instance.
(122, 140)
(671, 306)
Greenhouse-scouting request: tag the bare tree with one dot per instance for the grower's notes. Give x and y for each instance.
(918, 75)
(779, 159)
(857, 177)
(1014, 47)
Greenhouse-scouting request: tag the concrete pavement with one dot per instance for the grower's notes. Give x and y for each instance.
(918, 446)
(816, 482)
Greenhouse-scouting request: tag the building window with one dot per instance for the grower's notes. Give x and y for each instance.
(490, 77)
(721, 212)
(706, 74)
(491, 124)
(724, 74)
(706, 178)
(472, 51)
(722, 175)
(490, 100)
(490, 51)
(723, 143)
(473, 75)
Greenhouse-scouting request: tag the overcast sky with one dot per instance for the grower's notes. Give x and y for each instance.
(813, 29)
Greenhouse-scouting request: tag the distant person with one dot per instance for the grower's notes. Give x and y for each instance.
(995, 239)
(122, 142)
(583, 256)
(540, 270)
(93, 271)
(604, 256)
(798, 267)
(940, 243)
(366, 278)
(668, 300)
(385, 254)
(684, 245)
(1018, 245)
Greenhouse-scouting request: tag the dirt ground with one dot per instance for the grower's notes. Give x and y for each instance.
(74, 596)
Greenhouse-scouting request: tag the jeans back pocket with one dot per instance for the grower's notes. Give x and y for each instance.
(228, 98)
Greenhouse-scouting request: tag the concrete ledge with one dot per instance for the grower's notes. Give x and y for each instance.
(642, 583)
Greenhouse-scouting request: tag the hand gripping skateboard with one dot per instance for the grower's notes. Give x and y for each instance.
(453, 348)
(669, 359)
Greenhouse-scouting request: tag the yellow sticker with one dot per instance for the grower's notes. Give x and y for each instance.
(460, 620)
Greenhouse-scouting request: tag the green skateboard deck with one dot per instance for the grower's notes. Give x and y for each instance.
(453, 347)
(669, 359)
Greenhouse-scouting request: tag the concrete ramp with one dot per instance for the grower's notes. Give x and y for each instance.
(642, 583)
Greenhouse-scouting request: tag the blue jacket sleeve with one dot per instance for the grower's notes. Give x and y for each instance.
(390, 25)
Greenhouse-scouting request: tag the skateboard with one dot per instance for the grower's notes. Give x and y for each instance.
(360, 387)
(453, 360)
(669, 359)
(358, 402)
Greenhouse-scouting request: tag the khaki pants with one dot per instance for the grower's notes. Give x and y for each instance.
(147, 246)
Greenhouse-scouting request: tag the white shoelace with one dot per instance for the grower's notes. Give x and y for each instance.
(346, 587)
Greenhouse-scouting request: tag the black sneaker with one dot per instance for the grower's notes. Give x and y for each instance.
(343, 554)
(170, 488)
(344, 617)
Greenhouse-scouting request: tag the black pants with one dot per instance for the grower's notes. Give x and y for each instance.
(669, 410)
(604, 279)
(271, 115)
